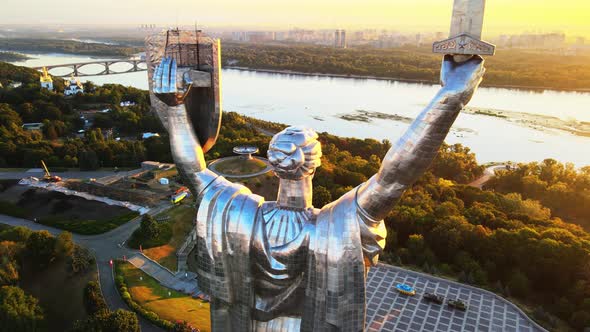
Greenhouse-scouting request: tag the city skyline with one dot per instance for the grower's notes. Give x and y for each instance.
(502, 16)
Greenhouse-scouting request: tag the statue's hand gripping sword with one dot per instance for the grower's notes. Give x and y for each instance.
(466, 27)
(461, 73)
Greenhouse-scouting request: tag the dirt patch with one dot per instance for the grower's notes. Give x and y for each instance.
(139, 197)
(66, 212)
(41, 203)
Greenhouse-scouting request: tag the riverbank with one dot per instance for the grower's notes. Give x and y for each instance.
(399, 79)
(535, 121)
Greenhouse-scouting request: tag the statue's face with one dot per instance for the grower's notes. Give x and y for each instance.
(295, 153)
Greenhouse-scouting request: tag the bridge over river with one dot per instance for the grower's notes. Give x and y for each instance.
(96, 68)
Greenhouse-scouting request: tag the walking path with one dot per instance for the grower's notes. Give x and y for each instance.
(184, 282)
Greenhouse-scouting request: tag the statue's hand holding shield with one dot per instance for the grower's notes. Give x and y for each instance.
(165, 85)
(184, 84)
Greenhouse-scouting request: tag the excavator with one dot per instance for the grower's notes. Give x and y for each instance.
(47, 176)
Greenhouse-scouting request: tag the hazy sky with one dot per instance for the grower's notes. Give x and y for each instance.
(503, 16)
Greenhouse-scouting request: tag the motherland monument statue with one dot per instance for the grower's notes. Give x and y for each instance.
(285, 265)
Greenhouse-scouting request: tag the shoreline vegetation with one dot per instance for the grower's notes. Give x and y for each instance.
(402, 80)
(46, 46)
(13, 56)
(509, 68)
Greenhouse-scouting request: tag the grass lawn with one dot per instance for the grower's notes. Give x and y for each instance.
(138, 238)
(13, 169)
(149, 294)
(240, 166)
(88, 227)
(11, 209)
(181, 220)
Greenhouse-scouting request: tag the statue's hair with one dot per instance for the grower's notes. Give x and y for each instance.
(300, 147)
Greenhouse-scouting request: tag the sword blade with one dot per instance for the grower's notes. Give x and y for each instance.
(468, 18)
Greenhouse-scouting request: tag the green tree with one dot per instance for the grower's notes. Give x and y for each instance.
(64, 245)
(16, 234)
(416, 247)
(18, 311)
(519, 284)
(9, 117)
(109, 321)
(88, 160)
(580, 320)
(321, 196)
(8, 272)
(122, 321)
(93, 300)
(80, 260)
(149, 227)
(40, 248)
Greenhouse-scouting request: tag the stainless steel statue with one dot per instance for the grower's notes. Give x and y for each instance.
(285, 265)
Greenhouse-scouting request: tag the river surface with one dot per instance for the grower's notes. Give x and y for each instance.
(320, 102)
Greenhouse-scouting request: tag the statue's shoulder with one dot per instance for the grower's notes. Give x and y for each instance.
(221, 193)
(344, 208)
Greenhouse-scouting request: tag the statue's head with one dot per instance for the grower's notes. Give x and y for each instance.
(295, 153)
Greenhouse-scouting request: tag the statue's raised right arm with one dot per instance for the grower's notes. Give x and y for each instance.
(186, 149)
(413, 153)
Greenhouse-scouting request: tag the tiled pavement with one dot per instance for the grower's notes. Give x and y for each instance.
(388, 310)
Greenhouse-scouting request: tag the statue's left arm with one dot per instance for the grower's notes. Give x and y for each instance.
(413, 153)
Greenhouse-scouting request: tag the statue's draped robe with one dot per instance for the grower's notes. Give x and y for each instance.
(320, 274)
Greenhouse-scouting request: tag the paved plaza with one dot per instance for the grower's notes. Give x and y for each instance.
(388, 310)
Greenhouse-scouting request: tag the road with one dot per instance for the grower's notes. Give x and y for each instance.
(38, 173)
(105, 247)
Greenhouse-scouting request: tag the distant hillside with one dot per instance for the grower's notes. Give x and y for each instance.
(66, 46)
(12, 57)
(508, 68)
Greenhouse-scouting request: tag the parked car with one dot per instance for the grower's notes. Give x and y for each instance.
(405, 289)
(430, 297)
(457, 304)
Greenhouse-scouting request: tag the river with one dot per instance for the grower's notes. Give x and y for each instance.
(320, 102)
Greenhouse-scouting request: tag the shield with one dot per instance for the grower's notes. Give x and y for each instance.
(201, 56)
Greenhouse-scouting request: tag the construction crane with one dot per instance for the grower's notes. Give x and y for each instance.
(47, 176)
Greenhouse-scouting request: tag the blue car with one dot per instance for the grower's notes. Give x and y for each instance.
(405, 289)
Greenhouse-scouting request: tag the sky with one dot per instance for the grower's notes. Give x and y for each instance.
(502, 16)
